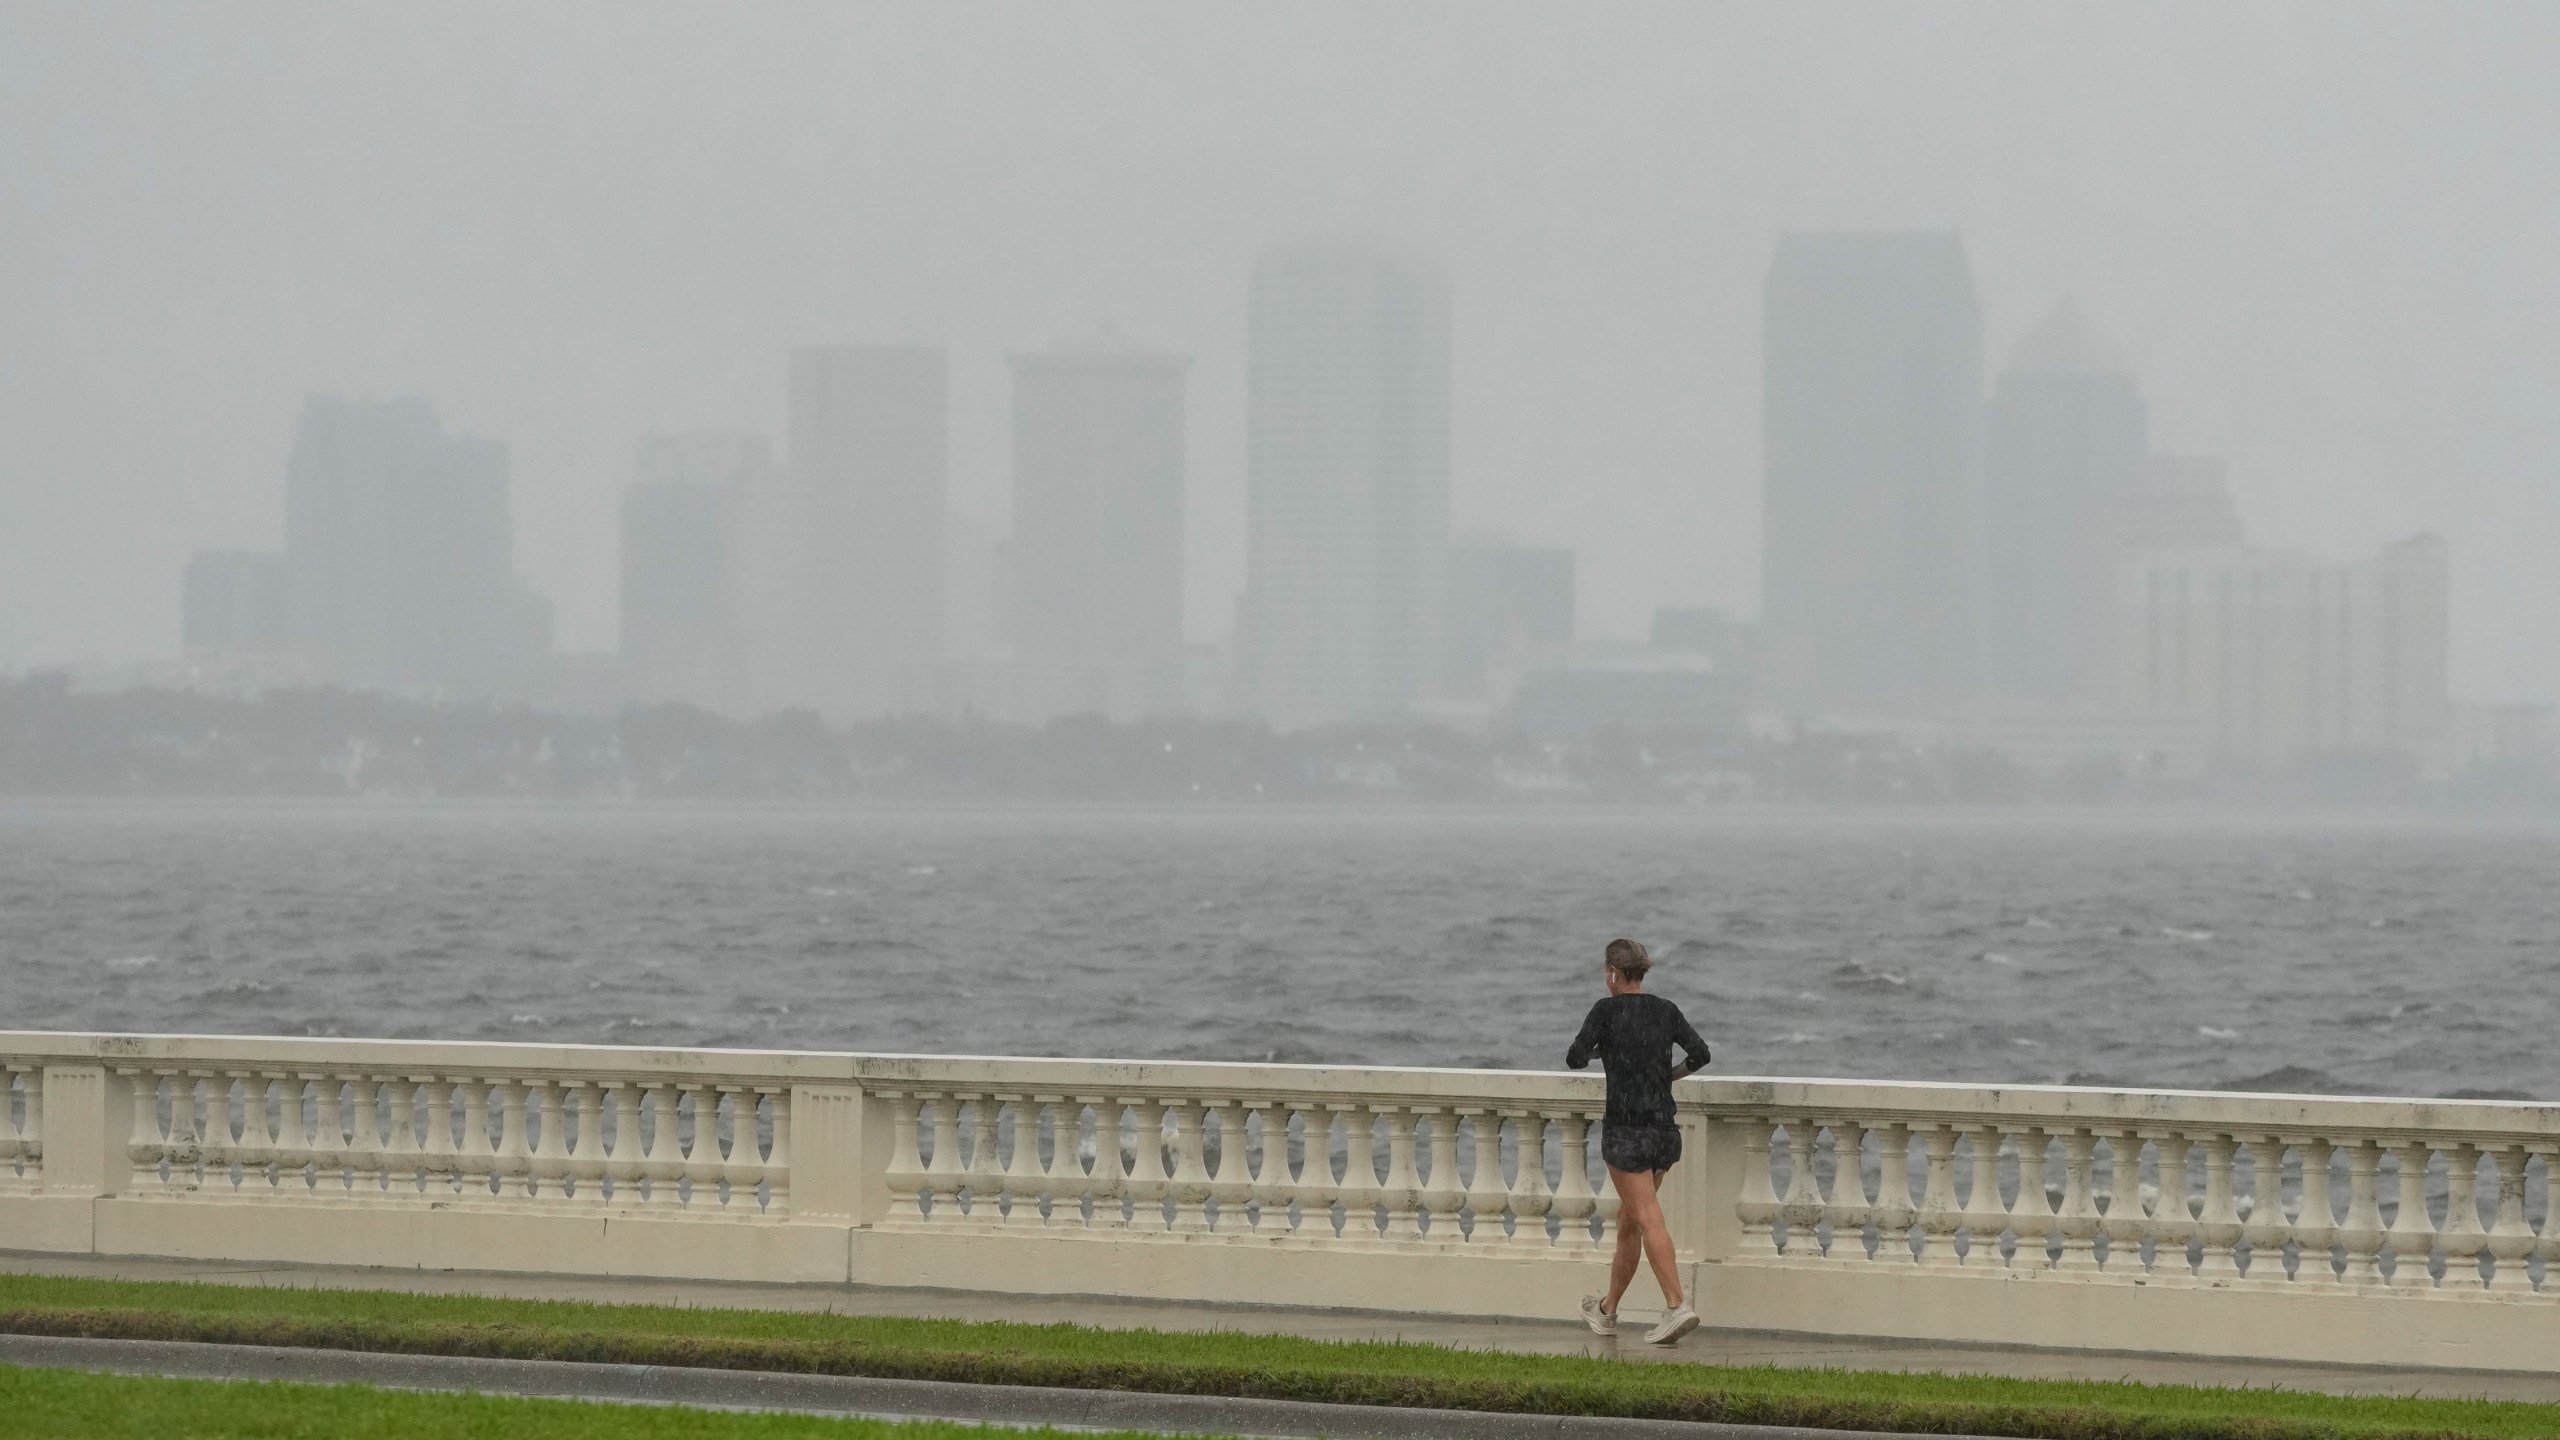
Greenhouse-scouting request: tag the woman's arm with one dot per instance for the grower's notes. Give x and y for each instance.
(1587, 1043)
(1695, 1050)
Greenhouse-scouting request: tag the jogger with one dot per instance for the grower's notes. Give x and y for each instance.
(1633, 1033)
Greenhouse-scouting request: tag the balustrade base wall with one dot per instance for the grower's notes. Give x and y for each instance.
(1533, 1286)
(2452, 1329)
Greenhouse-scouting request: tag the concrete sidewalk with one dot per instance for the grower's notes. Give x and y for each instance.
(1708, 1346)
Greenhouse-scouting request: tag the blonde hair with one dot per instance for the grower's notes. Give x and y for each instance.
(1629, 958)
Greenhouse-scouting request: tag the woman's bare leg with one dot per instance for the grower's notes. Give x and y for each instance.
(1640, 1220)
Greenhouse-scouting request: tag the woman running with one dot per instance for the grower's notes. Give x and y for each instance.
(1633, 1033)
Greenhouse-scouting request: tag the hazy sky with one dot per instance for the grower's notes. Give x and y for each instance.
(2327, 235)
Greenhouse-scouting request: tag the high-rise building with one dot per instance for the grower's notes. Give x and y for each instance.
(1095, 563)
(2065, 446)
(238, 600)
(1506, 601)
(848, 549)
(1347, 482)
(1871, 441)
(681, 634)
(2183, 503)
(399, 539)
(2283, 656)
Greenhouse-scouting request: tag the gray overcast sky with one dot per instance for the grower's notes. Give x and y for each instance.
(2327, 235)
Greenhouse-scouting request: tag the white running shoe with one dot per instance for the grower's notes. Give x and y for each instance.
(1601, 1321)
(1675, 1323)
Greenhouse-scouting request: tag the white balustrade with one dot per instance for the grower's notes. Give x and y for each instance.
(2193, 1230)
(499, 1141)
(960, 1170)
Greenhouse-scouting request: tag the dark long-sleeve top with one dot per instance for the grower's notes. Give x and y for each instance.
(1633, 1036)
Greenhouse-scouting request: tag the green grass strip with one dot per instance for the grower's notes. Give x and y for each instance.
(1227, 1364)
(43, 1404)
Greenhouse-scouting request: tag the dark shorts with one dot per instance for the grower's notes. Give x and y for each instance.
(1640, 1147)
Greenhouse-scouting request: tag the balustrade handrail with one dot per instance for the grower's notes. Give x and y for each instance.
(1736, 1097)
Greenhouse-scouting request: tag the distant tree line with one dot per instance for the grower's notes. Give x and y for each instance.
(57, 739)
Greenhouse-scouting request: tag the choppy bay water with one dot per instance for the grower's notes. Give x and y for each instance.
(2389, 956)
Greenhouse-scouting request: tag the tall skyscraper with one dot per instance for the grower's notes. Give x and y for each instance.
(853, 536)
(1096, 556)
(681, 601)
(1347, 482)
(1871, 443)
(399, 539)
(2065, 449)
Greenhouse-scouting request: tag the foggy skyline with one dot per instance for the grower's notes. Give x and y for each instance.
(2319, 236)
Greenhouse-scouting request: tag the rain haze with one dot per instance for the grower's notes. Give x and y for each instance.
(668, 524)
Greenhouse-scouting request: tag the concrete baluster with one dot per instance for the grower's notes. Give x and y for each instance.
(1488, 1194)
(2412, 1236)
(906, 1178)
(664, 1161)
(1805, 1207)
(1062, 1176)
(775, 1173)
(328, 1135)
(1190, 1181)
(588, 1163)
(512, 1165)
(1756, 1208)
(145, 1147)
(1276, 1187)
(1846, 1209)
(743, 1167)
(2127, 1220)
(289, 1164)
(1402, 1190)
(1109, 1180)
(2219, 1221)
(1985, 1214)
(1939, 1216)
(213, 1141)
(2511, 1237)
(1149, 1181)
(1604, 1191)
(1894, 1212)
(30, 1137)
(940, 1190)
(2266, 1228)
(2462, 1237)
(2548, 1246)
(703, 1160)
(626, 1162)
(436, 1165)
(271, 1136)
(475, 1159)
(2032, 1214)
(364, 1140)
(1530, 1197)
(984, 1159)
(186, 1152)
(546, 1139)
(1024, 1181)
(1575, 1201)
(2315, 1222)
(1442, 1196)
(1231, 1182)
(1360, 1191)
(2361, 1232)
